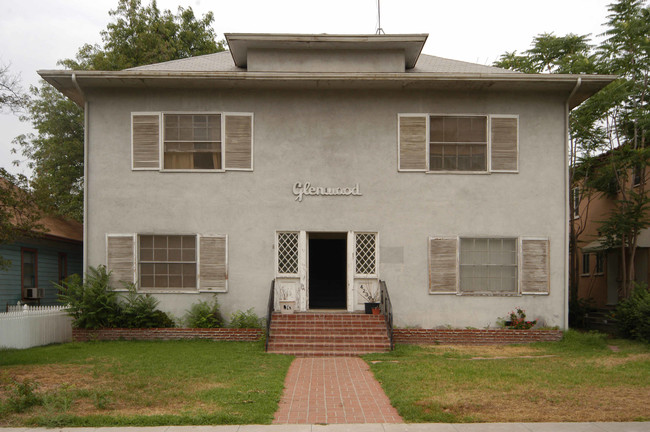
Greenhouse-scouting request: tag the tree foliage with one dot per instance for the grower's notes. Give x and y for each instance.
(12, 97)
(138, 35)
(608, 132)
(19, 217)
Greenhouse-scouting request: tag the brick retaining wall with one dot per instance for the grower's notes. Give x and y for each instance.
(217, 334)
(473, 337)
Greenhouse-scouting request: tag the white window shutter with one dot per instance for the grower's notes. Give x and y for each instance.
(504, 137)
(120, 259)
(443, 265)
(145, 141)
(239, 141)
(213, 263)
(535, 266)
(413, 142)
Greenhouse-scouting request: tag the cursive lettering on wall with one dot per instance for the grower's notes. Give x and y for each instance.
(301, 190)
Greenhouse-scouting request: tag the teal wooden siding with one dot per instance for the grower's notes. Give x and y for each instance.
(48, 268)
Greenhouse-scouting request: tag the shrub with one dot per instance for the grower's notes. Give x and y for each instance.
(204, 315)
(248, 319)
(92, 304)
(23, 397)
(140, 311)
(633, 314)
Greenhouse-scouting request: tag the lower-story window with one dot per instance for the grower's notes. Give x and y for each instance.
(488, 265)
(167, 261)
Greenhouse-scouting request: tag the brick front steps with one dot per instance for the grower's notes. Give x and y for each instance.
(473, 337)
(327, 334)
(218, 334)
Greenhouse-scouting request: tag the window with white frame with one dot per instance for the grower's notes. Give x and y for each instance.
(287, 253)
(488, 265)
(192, 141)
(167, 261)
(458, 143)
(365, 254)
(575, 202)
(440, 143)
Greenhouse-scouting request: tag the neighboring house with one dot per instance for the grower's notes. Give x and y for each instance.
(600, 276)
(40, 261)
(327, 163)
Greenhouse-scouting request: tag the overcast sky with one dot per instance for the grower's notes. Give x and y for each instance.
(34, 34)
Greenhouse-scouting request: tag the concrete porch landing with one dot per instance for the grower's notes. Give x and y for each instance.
(330, 390)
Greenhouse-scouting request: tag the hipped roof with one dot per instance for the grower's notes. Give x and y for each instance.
(221, 70)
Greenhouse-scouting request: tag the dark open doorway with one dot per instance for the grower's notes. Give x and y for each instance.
(327, 270)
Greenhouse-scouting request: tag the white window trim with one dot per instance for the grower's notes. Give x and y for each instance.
(457, 290)
(162, 142)
(488, 167)
(506, 116)
(136, 256)
(548, 265)
(277, 257)
(366, 275)
(515, 293)
(223, 140)
(574, 191)
(152, 113)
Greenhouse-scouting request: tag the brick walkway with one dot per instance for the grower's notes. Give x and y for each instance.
(333, 390)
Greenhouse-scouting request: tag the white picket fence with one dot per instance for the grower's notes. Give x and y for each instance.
(29, 326)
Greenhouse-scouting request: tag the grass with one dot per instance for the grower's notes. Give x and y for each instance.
(140, 384)
(577, 379)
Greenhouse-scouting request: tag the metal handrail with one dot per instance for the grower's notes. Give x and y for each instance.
(269, 314)
(386, 308)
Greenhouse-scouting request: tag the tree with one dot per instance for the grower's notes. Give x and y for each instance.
(608, 132)
(18, 215)
(11, 95)
(137, 36)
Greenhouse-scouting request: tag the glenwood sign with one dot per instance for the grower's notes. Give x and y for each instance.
(301, 190)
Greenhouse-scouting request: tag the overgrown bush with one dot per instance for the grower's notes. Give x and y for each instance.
(633, 314)
(141, 311)
(204, 315)
(247, 319)
(94, 305)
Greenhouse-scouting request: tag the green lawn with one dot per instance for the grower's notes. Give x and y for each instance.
(578, 379)
(140, 383)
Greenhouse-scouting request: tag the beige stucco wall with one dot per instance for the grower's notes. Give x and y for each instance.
(336, 138)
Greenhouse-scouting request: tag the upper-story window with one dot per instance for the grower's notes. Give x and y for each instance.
(458, 143)
(192, 141)
(472, 143)
(196, 141)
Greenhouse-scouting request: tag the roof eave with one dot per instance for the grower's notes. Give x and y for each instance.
(62, 80)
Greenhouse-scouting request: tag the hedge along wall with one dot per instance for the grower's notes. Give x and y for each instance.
(473, 337)
(216, 334)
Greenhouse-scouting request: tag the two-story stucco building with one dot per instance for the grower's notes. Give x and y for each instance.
(327, 163)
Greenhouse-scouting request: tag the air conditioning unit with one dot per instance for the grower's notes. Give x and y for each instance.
(34, 293)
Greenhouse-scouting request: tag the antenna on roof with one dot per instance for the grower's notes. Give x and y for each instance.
(379, 29)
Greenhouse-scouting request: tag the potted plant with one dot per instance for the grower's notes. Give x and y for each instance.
(371, 298)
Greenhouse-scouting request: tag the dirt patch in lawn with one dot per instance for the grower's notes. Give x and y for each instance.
(585, 404)
(618, 361)
(485, 350)
(52, 377)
